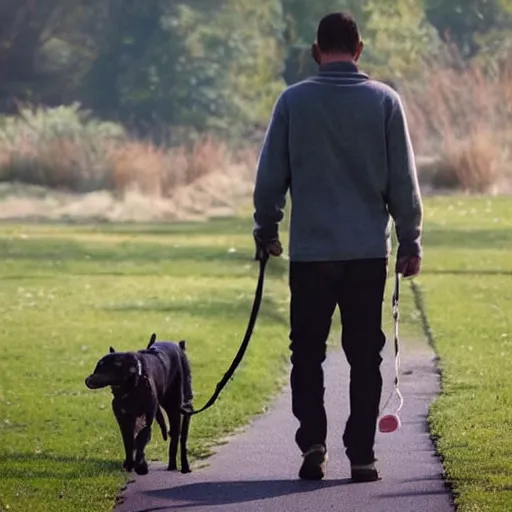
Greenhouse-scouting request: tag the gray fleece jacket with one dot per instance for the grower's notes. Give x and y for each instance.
(339, 143)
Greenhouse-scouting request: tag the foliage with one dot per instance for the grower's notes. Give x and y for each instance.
(474, 26)
(396, 34)
(58, 147)
(467, 128)
(67, 148)
(49, 123)
(398, 38)
(46, 47)
(197, 65)
(189, 63)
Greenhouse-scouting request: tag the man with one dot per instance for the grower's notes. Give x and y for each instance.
(339, 143)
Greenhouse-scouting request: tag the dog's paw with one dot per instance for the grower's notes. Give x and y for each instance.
(142, 468)
(186, 469)
(172, 466)
(128, 466)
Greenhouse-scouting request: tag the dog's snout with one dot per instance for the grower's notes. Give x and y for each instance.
(95, 382)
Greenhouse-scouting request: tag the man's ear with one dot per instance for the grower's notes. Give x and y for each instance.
(316, 54)
(359, 51)
(112, 350)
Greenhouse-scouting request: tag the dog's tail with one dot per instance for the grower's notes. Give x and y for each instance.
(161, 422)
(152, 340)
(187, 394)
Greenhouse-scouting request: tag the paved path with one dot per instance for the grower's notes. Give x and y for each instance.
(256, 471)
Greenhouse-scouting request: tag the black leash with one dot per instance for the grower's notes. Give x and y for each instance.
(250, 328)
(243, 347)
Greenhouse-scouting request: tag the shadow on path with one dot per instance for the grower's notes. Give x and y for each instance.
(228, 493)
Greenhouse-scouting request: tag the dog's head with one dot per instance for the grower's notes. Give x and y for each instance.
(115, 369)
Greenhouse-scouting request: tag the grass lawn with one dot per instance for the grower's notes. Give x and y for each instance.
(68, 292)
(466, 288)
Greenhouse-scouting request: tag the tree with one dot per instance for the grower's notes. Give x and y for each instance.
(189, 63)
(205, 65)
(301, 18)
(472, 25)
(44, 46)
(256, 69)
(395, 32)
(131, 30)
(397, 38)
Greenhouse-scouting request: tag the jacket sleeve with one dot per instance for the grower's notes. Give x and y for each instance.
(273, 175)
(403, 193)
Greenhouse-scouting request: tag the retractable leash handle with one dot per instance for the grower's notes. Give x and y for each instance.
(391, 422)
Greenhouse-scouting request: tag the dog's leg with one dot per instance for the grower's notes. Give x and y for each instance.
(161, 422)
(127, 427)
(185, 468)
(144, 436)
(142, 439)
(173, 412)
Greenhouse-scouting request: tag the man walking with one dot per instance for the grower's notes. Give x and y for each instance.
(339, 143)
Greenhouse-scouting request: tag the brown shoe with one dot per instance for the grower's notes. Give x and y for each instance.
(364, 473)
(314, 465)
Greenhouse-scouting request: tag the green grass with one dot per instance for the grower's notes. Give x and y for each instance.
(466, 289)
(68, 292)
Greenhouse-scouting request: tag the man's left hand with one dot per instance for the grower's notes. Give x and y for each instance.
(409, 267)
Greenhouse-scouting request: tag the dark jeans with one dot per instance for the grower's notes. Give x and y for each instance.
(357, 287)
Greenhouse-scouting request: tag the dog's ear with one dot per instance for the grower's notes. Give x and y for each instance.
(183, 345)
(152, 340)
(112, 350)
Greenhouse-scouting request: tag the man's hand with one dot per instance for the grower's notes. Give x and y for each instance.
(264, 248)
(409, 266)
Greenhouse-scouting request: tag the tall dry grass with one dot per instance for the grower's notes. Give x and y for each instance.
(67, 149)
(158, 171)
(463, 117)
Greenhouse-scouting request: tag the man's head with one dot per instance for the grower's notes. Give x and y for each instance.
(337, 40)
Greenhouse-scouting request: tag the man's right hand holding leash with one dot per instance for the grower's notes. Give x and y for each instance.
(266, 246)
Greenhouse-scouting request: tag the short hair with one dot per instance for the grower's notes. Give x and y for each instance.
(338, 32)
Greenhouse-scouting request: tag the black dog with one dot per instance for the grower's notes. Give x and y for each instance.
(141, 382)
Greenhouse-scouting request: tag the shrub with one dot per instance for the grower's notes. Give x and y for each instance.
(463, 116)
(66, 148)
(62, 147)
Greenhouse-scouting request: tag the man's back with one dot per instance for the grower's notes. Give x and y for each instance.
(348, 159)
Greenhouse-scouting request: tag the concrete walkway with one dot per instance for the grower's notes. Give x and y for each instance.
(257, 471)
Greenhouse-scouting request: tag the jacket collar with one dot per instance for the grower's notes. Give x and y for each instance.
(342, 68)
